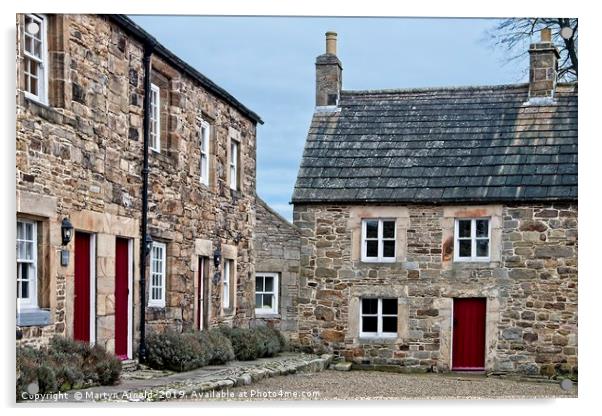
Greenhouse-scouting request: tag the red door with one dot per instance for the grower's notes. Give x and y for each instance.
(469, 334)
(81, 301)
(122, 277)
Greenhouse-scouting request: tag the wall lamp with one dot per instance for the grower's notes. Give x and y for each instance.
(66, 231)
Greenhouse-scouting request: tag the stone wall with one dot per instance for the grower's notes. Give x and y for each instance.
(80, 157)
(530, 285)
(277, 251)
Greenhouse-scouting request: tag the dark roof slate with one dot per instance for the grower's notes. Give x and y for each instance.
(442, 145)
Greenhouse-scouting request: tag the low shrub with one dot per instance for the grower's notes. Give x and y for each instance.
(63, 365)
(175, 351)
(256, 342)
(222, 350)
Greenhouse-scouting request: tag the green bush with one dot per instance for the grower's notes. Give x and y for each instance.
(65, 364)
(221, 347)
(177, 352)
(244, 342)
(268, 341)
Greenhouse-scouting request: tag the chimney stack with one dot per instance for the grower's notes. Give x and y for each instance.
(543, 71)
(329, 73)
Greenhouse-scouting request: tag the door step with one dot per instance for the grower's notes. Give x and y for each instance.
(130, 365)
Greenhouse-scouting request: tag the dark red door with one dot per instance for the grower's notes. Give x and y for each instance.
(469, 334)
(81, 301)
(122, 277)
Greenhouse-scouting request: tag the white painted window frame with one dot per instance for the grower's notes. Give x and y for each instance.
(155, 119)
(274, 293)
(204, 142)
(234, 159)
(380, 258)
(226, 282)
(153, 301)
(379, 320)
(42, 96)
(473, 237)
(31, 302)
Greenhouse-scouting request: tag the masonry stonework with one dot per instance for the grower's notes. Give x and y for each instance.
(80, 157)
(530, 286)
(277, 248)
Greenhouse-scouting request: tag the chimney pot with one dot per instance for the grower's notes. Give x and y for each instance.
(543, 72)
(331, 43)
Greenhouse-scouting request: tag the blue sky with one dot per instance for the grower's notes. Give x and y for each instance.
(268, 64)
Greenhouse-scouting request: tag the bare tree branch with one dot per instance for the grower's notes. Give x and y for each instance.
(515, 34)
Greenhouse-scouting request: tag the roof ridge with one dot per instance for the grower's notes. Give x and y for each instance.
(442, 88)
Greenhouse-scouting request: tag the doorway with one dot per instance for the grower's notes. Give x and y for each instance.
(202, 307)
(123, 297)
(468, 346)
(84, 305)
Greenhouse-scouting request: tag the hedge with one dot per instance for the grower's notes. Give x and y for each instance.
(65, 364)
(190, 350)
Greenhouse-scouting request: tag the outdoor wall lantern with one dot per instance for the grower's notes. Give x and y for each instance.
(217, 257)
(66, 231)
(148, 242)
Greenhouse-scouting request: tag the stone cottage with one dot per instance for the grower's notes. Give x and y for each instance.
(439, 225)
(135, 187)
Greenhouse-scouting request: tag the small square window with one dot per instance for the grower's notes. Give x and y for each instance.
(378, 317)
(266, 293)
(378, 240)
(472, 239)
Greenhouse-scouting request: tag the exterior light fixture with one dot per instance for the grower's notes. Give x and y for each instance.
(32, 28)
(148, 242)
(217, 257)
(66, 231)
(566, 32)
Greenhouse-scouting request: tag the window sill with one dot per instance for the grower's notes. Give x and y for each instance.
(267, 315)
(363, 339)
(34, 317)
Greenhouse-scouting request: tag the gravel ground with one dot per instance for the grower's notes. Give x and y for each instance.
(367, 385)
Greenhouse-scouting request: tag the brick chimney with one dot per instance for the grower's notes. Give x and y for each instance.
(329, 73)
(543, 68)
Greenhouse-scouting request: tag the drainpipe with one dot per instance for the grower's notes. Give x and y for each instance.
(148, 50)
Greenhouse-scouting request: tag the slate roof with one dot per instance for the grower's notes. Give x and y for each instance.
(465, 144)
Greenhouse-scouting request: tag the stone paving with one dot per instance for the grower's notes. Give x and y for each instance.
(151, 385)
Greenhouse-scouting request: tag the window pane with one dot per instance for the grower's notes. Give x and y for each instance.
(464, 228)
(389, 248)
(29, 251)
(372, 229)
(29, 231)
(388, 229)
(483, 248)
(369, 324)
(482, 228)
(390, 324)
(258, 302)
(372, 248)
(24, 289)
(465, 248)
(259, 284)
(267, 301)
(269, 284)
(21, 250)
(369, 306)
(389, 306)
(20, 226)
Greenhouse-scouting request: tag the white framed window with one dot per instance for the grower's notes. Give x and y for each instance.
(35, 57)
(234, 159)
(266, 293)
(378, 240)
(157, 276)
(27, 258)
(204, 135)
(472, 239)
(155, 119)
(378, 317)
(227, 280)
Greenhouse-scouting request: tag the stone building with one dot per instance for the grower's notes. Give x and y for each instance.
(82, 84)
(276, 271)
(439, 225)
